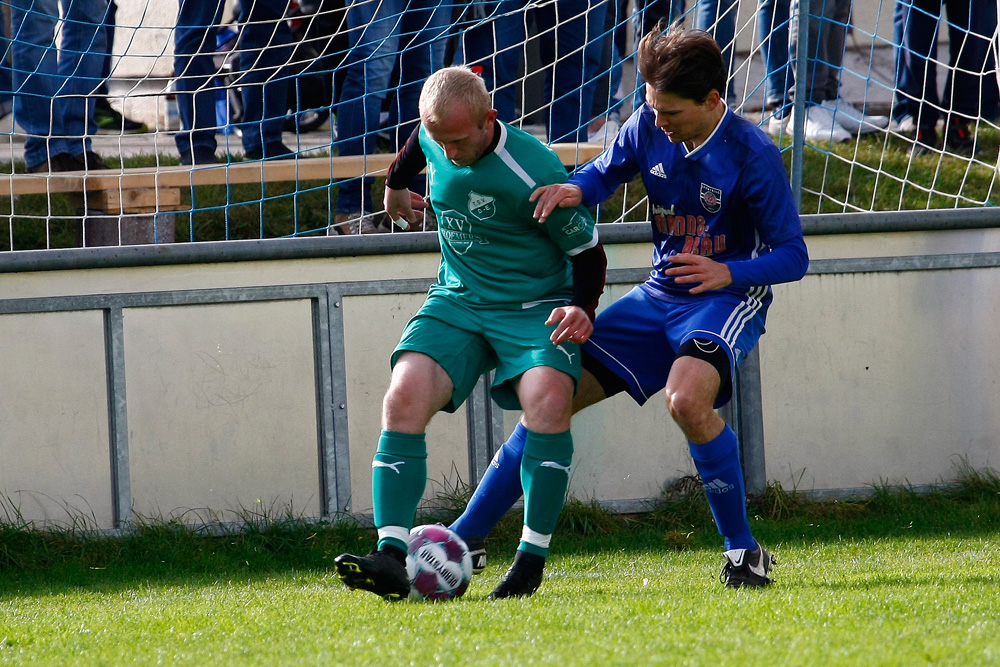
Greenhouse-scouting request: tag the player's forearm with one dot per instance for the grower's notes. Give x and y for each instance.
(784, 264)
(409, 162)
(589, 269)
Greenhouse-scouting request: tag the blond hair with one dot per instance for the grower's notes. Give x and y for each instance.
(452, 86)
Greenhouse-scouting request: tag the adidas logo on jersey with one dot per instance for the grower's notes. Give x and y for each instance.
(718, 486)
(657, 170)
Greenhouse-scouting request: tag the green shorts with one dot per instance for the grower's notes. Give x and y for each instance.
(468, 342)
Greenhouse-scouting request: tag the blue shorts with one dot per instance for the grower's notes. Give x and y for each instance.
(637, 337)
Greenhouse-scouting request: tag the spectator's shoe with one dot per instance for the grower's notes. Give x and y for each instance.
(775, 118)
(522, 579)
(925, 141)
(58, 162)
(110, 121)
(958, 138)
(605, 134)
(277, 151)
(905, 124)
(744, 567)
(353, 224)
(379, 572)
(199, 156)
(852, 119)
(477, 549)
(90, 161)
(819, 127)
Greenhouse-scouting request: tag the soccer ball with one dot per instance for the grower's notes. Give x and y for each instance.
(438, 563)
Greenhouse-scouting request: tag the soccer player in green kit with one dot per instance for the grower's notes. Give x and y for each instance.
(511, 296)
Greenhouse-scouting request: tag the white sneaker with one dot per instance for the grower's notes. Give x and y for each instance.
(854, 120)
(605, 134)
(819, 126)
(905, 125)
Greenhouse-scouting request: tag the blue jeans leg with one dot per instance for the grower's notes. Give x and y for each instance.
(772, 33)
(374, 45)
(194, 66)
(53, 102)
(265, 48)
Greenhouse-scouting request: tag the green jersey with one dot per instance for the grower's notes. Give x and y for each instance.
(493, 252)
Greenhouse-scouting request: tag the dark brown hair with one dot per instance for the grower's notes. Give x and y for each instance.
(686, 63)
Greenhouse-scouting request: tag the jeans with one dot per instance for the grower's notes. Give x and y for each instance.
(971, 24)
(265, 48)
(772, 34)
(828, 21)
(53, 85)
(412, 32)
(496, 45)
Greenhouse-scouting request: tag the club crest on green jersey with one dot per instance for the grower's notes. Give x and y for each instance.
(578, 223)
(456, 230)
(483, 207)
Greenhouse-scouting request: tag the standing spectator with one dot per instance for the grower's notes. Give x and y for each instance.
(265, 48)
(412, 32)
(54, 84)
(828, 117)
(918, 106)
(569, 39)
(106, 116)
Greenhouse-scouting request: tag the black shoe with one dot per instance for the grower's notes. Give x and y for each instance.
(58, 162)
(744, 567)
(477, 549)
(379, 572)
(958, 138)
(278, 151)
(111, 121)
(199, 156)
(90, 161)
(522, 579)
(925, 141)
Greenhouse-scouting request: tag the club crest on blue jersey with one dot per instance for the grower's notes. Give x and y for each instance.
(457, 232)
(483, 207)
(711, 198)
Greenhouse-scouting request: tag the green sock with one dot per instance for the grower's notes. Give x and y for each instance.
(545, 478)
(399, 475)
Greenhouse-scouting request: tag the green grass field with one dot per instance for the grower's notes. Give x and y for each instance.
(898, 579)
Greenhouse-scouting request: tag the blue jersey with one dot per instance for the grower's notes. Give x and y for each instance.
(728, 199)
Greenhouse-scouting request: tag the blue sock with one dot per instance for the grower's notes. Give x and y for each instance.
(498, 490)
(718, 463)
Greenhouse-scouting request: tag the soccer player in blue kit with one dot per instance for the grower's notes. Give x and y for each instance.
(725, 228)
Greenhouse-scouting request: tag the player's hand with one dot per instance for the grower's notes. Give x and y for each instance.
(706, 273)
(563, 195)
(399, 205)
(572, 324)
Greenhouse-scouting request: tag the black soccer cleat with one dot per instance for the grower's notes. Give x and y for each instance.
(477, 549)
(379, 572)
(744, 567)
(522, 579)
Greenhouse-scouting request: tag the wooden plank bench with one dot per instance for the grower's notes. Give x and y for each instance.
(150, 190)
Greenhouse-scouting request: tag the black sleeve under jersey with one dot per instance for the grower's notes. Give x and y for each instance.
(409, 162)
(589, 269)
